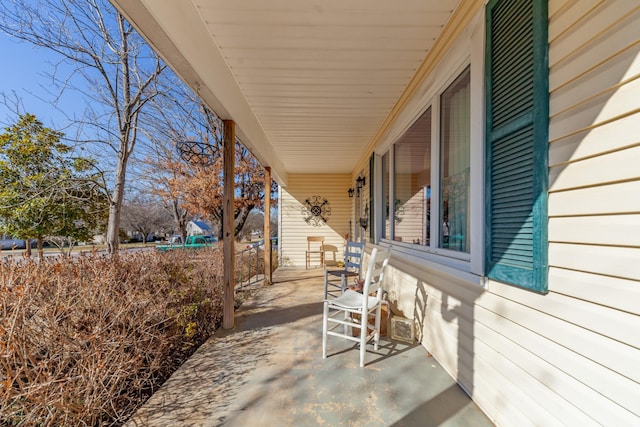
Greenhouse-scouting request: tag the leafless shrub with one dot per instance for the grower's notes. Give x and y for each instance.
(86, 341)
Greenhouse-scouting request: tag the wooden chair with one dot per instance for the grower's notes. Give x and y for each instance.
(315, 246)
(330, 255)
(353, 309)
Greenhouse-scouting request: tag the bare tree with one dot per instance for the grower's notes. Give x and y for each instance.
(145, 216)
(167, 115)
(188, 163)
(254, 224)
(120, 74)
(163, 176)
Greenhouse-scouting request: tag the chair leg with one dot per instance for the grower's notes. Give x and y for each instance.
(363, 337)
(325, 324)
(376, 336)
(326, 283)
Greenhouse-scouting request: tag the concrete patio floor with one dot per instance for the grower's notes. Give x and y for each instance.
(269, 371)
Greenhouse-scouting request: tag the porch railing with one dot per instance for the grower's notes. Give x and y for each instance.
(250, 263)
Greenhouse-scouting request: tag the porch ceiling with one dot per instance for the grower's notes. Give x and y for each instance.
(309, 82)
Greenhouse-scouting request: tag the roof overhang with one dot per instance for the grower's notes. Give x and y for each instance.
(309, 84)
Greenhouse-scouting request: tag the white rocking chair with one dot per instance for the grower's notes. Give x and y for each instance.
(363, 305)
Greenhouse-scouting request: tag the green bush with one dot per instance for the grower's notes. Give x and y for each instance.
(86, 341)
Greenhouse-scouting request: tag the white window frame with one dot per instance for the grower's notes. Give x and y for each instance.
(466, 51)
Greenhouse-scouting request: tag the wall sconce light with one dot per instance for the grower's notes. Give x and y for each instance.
(351, 191)
(360, 182)
(364, 220)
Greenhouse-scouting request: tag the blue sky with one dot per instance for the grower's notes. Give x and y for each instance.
(24, 71)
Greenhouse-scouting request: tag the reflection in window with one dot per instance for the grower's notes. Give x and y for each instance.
(412, 180)
(385, 194)
(454, 165)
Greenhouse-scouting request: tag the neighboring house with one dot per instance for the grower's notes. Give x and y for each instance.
(198, 228)
(137, 236)
(497, 146)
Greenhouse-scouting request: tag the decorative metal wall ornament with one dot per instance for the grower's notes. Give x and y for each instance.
(316, 211)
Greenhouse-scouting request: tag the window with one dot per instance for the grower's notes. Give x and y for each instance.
(386, 181)
(412, 180)
(422, 163)
(455, 165)
(517, 108)
(371, 208)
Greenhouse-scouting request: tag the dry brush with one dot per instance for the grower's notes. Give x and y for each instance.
(86, 341)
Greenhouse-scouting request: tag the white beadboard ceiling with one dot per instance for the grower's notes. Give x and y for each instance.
(308, 82)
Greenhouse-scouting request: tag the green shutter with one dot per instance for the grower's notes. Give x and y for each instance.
(517, 109)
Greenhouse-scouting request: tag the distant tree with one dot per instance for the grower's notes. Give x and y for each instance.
(188, 163)
(173, 201)
(145, 216)
(45, 191)
(164, 176)
(201, 184)
(161, 173)
(253, 224)
(120, 70)
(81, 214)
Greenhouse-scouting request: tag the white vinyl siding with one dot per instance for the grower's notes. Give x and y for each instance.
(294, 230)
(569, 357)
